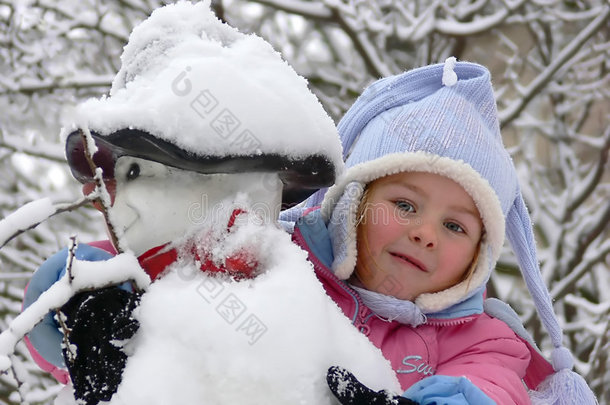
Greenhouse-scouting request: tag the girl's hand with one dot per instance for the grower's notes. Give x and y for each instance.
(350, 391)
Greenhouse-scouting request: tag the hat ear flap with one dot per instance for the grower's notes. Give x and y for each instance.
(342, 228)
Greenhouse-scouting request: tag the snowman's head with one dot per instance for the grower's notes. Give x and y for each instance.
(154, 203)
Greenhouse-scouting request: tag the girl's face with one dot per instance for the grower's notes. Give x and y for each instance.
(419, 234)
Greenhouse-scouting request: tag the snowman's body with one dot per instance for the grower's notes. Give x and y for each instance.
(207, 339)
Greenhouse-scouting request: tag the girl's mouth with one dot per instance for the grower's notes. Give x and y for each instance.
(410, 260)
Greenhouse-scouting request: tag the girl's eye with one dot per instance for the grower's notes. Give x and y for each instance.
(405, 206)
(133, 172)
(452, 226)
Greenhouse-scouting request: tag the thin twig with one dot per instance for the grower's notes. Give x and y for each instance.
(70, 259)
(101, 188)
(17, 378)
(59, 315)
(66, 335)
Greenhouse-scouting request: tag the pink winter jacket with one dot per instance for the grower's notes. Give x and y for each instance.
(477, 346)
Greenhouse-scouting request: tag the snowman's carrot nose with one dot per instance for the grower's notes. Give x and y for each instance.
(89, 187)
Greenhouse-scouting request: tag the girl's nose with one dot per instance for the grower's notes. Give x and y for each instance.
(422, 233)
(88, 188)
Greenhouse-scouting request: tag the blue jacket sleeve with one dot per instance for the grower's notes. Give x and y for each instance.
(447, 390)
(46, 337)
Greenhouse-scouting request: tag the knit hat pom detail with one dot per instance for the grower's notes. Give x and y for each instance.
(562, 358)
(565, 387)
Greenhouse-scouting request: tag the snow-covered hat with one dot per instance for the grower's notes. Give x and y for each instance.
(442, 119)
(195, 93)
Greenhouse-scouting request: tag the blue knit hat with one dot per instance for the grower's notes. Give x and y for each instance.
(443, 119)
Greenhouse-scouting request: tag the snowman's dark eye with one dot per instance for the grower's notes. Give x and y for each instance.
(133, 172)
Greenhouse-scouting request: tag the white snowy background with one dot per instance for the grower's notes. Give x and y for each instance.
(549, 60)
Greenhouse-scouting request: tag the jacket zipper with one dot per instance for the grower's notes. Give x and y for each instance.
(450, 322)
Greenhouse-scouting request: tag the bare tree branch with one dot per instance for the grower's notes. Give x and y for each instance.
(594, 179)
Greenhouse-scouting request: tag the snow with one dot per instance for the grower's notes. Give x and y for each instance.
(25, 217)
(114, 271)
(449, 75)
(91, 146)
(5, 362)
(266, 340)
(192, 80)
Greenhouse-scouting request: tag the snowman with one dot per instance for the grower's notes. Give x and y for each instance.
(205, 136)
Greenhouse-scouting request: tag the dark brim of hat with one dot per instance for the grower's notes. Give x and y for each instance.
(300, 176)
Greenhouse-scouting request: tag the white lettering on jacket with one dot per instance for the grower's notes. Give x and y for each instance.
(415, 364)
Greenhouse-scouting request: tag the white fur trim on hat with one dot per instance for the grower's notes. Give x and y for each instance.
(462, 173)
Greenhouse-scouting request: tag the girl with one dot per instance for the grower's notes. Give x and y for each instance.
(406, 240)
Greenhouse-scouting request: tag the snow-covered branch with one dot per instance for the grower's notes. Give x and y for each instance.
(33, 214)
(567, 284)
(601, 309)
(83, 20)
(363, 46)
(515, 108)
(589, 184)
(477, 26)
(41, 149)
(306, 9)
(28, 86)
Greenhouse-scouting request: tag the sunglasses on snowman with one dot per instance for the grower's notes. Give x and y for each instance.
(125, 142)
(301, 177)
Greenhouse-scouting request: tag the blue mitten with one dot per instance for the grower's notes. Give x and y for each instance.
(45, 336)
(447, 390)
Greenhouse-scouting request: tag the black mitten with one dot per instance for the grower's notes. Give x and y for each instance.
(350, 391)
(98, 323)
